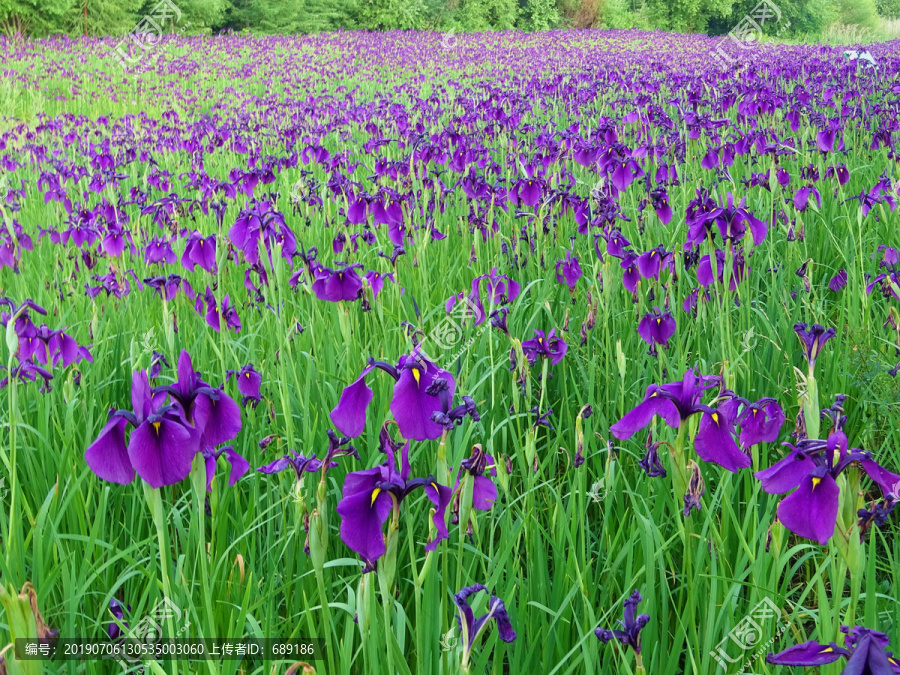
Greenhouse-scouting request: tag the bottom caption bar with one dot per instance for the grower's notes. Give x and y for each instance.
(66, 649)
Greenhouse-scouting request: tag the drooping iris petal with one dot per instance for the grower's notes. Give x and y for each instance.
(364, 510)
(760, 423)
(811, 511)
(413, 407)
(239, 466)
(887, 481)
(786, 474)
(808, 654)
(218, 417)
(715, 443)
(107, 457)
(349, 415)
(484, 493)
(161, 451)
(440, 496)
(642, 414)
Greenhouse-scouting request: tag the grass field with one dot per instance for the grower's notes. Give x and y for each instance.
(669, 214)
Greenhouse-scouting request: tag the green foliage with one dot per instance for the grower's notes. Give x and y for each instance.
(539, 15)
(112, 17)
(35, 17)
(797, 16)
(862, 13)
(392, 14)
(481, 15)
(888, 8)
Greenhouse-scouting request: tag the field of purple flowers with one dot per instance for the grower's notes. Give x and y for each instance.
(442, 351)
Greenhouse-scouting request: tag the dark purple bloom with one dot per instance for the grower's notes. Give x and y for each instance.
(651, 263)
(568, 271)
(838, 281)
(471, 627)
(200, 251)
(160, 449)
(676, 402)
(759, 422)
(632, 625)
(298, 463)
(211, 412)
(546, 346)
(656, 328)
(369, 497)
(114, 630)
(239, 465)
(336, 285)
(481, 467)
(812, 467)
(413, 404)
(659, 198)
(248, 382)
(813, 339)
(866, 653)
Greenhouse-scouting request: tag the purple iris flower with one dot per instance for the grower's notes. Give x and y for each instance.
(838, 281)
(200, 251)
(160, 449)
(546, 346)
(499, 289)
(114, 631)
(652, 262)
(239, 465)
(656, 328)
(471, 628)
(866, 653)
(299, 463)
(568, 271)
(526, 191)
(376, 281)
(632, 275)
(337, 447)
(659, 198)
(369, 497)
(813, 339)
(481, 467)
(248, 382)
(759, 422)
(421, 389)
(336, 285)
(210, 411)
(812, 467)
(675, 403)
(166, 436)
(630, 634)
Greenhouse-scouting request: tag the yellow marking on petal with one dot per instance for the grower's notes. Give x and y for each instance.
(156, 427)
(247, 375)
(658, 321)
(826, 650)
(415, 372)
(434, 485)
(816, 481)
(375, 493)
(715, 417)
